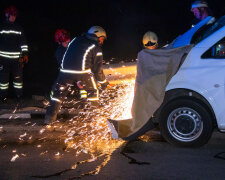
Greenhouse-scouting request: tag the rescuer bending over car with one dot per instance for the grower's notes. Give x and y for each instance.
(201, 10)
(81, 65)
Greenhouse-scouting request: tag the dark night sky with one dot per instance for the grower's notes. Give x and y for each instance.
(124, 21)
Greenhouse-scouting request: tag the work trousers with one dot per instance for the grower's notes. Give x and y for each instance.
(62, 87)
(10, 67)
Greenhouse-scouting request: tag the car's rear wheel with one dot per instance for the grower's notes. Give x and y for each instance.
(185, 123)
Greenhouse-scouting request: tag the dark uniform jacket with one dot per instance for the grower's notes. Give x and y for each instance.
(194, 22)
(84, 55)
(59, 53)
(12, 41)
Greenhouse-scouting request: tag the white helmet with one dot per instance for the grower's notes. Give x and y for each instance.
(98, 31)
(150, 39)
(199, 4)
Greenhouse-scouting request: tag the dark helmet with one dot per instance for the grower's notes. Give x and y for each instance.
(61, 35)
(11, 10)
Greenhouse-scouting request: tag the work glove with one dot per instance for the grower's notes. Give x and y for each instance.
(21, 61)
(25, 58)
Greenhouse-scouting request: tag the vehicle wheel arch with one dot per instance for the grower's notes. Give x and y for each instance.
(181, 93)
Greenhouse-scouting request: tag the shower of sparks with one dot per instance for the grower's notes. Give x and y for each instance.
(122, 110)
(87, 132)
(90, 132)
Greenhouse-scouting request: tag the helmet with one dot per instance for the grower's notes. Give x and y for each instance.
(149, 39)
(98, 31)
(61, 35)
(199, 4)
(11, 10)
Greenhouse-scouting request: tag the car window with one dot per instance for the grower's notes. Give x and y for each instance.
(207, 30)
(216, 51)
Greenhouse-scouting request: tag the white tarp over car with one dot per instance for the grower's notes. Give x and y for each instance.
(155, 68)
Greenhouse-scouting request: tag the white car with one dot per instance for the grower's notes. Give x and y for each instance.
(195, 97)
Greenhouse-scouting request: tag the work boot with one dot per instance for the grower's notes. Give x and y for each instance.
(51, 113)
(48, 119)
(19, 101)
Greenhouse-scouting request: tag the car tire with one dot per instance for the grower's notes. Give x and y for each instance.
(185, 123)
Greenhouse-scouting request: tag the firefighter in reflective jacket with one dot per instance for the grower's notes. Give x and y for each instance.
(13, 54)
(82, 62)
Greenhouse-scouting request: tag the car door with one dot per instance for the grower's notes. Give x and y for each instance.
(213, 65)
(204, 72)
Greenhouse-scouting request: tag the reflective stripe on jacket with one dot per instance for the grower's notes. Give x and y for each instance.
(82, 55)
(12, 41)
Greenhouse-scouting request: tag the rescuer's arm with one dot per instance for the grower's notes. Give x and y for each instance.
(24, 48)
(98, 69)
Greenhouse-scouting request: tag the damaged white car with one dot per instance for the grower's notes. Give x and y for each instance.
(194, 104)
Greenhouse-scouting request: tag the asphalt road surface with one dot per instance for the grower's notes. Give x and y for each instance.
(148, 158)
(25, 153)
